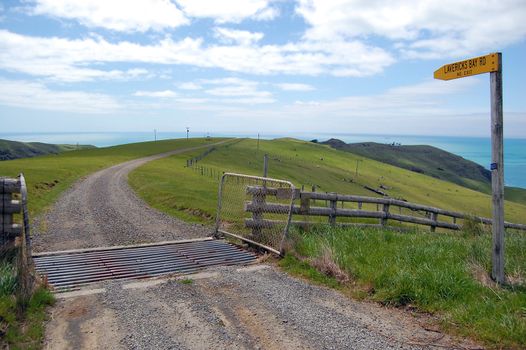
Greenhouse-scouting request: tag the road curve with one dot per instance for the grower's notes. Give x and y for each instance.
(102, 210)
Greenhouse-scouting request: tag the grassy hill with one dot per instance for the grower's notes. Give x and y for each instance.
(171, 187)
(15, 150)
(430, 161)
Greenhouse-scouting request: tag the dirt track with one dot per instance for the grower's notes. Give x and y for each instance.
(257, 307)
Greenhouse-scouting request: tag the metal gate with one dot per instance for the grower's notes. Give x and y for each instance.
(255, 209)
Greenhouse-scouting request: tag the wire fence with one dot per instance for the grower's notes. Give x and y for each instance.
(241, 201)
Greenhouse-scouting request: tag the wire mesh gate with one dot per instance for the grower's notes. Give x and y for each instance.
(243, 199)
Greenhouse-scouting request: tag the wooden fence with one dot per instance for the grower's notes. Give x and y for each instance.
(15, 237)
(424, 215)
(9, 206)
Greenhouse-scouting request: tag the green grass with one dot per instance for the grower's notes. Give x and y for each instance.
(24, 329)
(515, 194)
(167, 185)
(48, 176)
(437, 273)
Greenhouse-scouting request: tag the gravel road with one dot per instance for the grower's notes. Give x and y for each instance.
(102, 210)
(254, 307)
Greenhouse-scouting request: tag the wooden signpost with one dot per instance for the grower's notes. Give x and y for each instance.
(491, 63)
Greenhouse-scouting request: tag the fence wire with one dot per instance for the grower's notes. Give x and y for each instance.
(255, 209)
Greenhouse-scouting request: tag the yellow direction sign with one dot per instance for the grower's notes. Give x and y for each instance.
(473, 66)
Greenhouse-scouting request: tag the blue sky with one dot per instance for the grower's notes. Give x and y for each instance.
(257, 66)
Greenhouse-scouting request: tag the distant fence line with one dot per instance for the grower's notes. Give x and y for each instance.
(332, 212)
(206, 171)
(192, 161)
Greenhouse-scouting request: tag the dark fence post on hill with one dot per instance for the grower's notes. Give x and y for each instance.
(333, 206)
(434, 217)
(265, 165)
(385, 209)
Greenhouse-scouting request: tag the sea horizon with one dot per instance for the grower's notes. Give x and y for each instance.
(474, 148)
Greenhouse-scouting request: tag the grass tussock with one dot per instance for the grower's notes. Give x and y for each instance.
(443, 274)
(325, 264)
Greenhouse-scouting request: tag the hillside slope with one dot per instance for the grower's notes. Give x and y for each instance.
(430, 161)
(15, 150)
(421, 159)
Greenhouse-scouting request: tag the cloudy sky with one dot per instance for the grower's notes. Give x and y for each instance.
(345, 66)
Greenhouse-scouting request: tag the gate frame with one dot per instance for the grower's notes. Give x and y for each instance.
(217, 232)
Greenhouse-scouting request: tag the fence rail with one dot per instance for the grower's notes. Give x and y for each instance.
(430, 218)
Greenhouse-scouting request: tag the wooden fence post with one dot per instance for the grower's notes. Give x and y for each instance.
(383, 221)
(258, 199)
(332, 217)
(434, 217)
(305, 202)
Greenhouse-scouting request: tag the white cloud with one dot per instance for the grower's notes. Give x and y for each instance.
(241, 37)
(295, 87)
(70, 60)
(229, 11)
(422, 29)
(32, 95)
(162, 94)
(189, 86)
(424, 100)
(118, 15)
(244, 91)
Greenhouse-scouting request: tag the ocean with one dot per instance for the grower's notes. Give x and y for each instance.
(476, 149)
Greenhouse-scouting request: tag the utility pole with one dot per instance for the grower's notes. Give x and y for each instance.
(187, 131)
(258, 144)
(155, 134)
